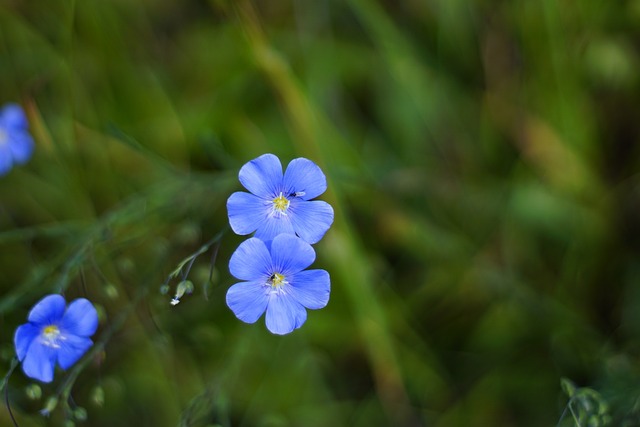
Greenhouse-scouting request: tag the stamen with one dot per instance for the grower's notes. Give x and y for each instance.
(280, 205)
(51, 336)
(277, 280)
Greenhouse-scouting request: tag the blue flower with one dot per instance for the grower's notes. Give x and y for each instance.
(16, 145)
(55, 333)
(280, 203)
(276, 283)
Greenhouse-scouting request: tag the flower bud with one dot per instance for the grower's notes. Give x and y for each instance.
(97, 396)
(111, 291)
(51, 404)
(33, 391)
(80, 414)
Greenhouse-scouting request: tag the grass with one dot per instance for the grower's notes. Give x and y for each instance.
(482, 165)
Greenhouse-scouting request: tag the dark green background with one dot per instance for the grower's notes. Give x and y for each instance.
(482, 160)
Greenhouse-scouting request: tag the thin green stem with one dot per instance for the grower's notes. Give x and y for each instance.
(189, 260)
(5, 385)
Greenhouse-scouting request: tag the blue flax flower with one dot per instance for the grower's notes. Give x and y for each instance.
(55, 333)
(16, 145)
(280, 203)
(276, 283)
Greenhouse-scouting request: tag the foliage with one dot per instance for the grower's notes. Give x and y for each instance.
(481, 160)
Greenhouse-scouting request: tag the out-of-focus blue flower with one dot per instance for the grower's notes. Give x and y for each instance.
(16, 145)
(280, 203)
(55, 333)
(276, 283)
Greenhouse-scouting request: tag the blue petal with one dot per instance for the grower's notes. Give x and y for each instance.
(311, 220)
(246, 212)
(39, 362)
(273, 227)
(251, 261)
(290, 254)
(302, 175)
(248, 300)
(6, 158)
(262, 176)
(21, 145)
(284, 314)
(71, 349)
(311, 288)
(12, 117)
(24, 336)
(48, 310)
(81, 318)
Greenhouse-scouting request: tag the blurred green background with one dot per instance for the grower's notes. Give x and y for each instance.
(482, 159)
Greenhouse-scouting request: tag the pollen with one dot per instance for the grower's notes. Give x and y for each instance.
(277, 280)
(51, 336)
(280, 204)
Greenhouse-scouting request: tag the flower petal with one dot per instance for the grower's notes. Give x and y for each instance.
(311, 288)
(21, 145)
(39, 362)
(291, 254)
(302, 175)
(13, 118)
(24, 336)
(284, 314)
(248, 300)
(311, 220)
(6, 158)
(273, 227)
(48, 310)
(251, 261)
(262, 176)
(81, 318)
(246, 212)
(71, 349)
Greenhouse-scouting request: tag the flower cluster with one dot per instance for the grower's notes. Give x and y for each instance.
(272, 264)
(16, 145)
(55, 333)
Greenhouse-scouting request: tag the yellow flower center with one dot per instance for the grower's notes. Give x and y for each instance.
(280, 204)
(277, 280)
(50, 335)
